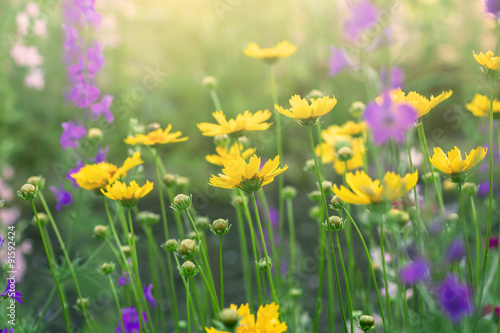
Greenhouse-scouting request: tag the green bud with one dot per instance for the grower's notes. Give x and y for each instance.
(366, 323)
(262, 264)
(336, 203)
(170, 180)
(229, 317)
(289, 192)
(310, 166)
(427, 178)
(188, 269)
(357, 109)
(222, 140)
(452, 218)
(396, 216)
(187, 249)
(315, 93)
(182, 182)
(315, 196)
(316, 212)
(469, 189)
(344, 154)
(295, 293)
(37, 181)
(27, 192)
(209, 82)
(107, 268)
(202, 222)
(181, 202)
(334, 223)
(171, 245)
(42, 218)
(327, 186)
(95, 135)
(220, 227)
(244, 141)
(239, 201)
(126, 250)
(192, 235)
(100, 231)
(449, 186)
(2, 203)
(148, 218)
(82, 304)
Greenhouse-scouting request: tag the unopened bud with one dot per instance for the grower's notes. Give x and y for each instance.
(148, 218)
(169, 180)
(42, 218)
(95, 135)
(100, 231)
(289, 192)
(451, 218)
(229, 317)
(222, 140)
(171, 245)
(239, 201)
(82, 303)
(107, 268)
(344, 154)
(220, 227)
(449, 186)
(310, 166)
(315, 196)
(27, 192)
(336, 203)
(126, 250)
(209, 82)
(187, 248)
(366, 322)
(37, 181)
(469, 189)
(315, 93)
(327, 186)
(188, 269)
(357, 109)
(202, 222)
(181, 202)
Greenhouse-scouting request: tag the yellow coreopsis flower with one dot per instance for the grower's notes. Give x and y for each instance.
(365, 191)
(234, 151)
(239, 174)
(487, 60)
(267, 320)
(307, 114)
(127, 195)
(421, 104)
(271, 55)
(349, 128)
(95, 176)
(480, 106)
(452, 163)
(328, 153)
(236, 127)
(157, 136)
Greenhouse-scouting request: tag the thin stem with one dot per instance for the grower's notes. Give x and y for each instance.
(466, 236)
(221, 274)
(386, 285)
(346, 278)
(115, 295)
(211, 292)
(337, 281)
(438, 191)
(215, 100)
(264, 247)
(367, 252)
(291, 229)
(478, 239)
(56, 280)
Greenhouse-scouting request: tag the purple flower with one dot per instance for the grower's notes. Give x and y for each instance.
(364, 16)
(395, 79)
(493, 243)
(10, 291)
(72, 39)
(84, 94)
(6, 330)
(101, 155)
(130, 318)
(415, 272)
(77, 71)
(95, 59)
(63, 198)
(454, 298)
(493, 7)
(1, 241)
(388, 120)
(123, 281)
(87, 7)
(339, 60)
(79, 165)
(148, 294)
(103, 108)
(72, 133)
(456, 251)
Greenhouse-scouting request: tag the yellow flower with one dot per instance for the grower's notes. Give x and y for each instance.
(271, 55)
(267, 320)
(239, 174)
(487, 60)
(328, 153)
(127, 195)
(234, 151)
(364, 190)
(480, 106)
(236, 127)
(349, 128)
(157, 136)
(95, 176)
(421, 104)
(452, 163)
(304, 113)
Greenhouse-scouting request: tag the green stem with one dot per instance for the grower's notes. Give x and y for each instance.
(331, 297)
(215, 100)
(66, 256)
(466, 236)
(337, 281)
(61, 294)
(387, 298)
(367, 252)
(221, 274)
(291, 229)
(115, 295)
(264, 247)
(346, 278)
(211, 292)
(438, 191)
(478, 239)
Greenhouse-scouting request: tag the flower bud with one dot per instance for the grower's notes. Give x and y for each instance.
(169, 180)
(100, 231)
(187, 248)
(222, 140)
(192, 235)
(82, 303)
(344, 154)
(171, 245)
(188, 269)
(289, 192)
(148, 218)
(107, 268)
(262, 264)
(327, 186)
(295, 293)
(153, 127)
(449, 186)
(42, 218)
(181, 202)
(357, 109)
(366, 322)
(95, 135)
(229, 317)
(396, 216)
(239, 201)
(220, 227)
(452, 218)
(310, 166)
(182, 182)
(316, 212)
(27, 192)
(315, 93)
(427, 177)
(315, 196)
(209, 82)
(126, 250)
(334, 223)
(37, 181)
(336, 203)
(202, 222)
(469, 189)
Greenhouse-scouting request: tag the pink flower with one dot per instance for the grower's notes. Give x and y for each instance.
(27, 56)
(35, 79)
(23, 23)
(32, 9)
(84, 94)
(40, 27)
(9, 216)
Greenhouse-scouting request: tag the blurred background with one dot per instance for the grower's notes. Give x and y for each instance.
(156, 56)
